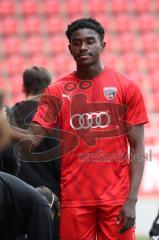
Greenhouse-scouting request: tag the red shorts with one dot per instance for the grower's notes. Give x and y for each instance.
(91, 223)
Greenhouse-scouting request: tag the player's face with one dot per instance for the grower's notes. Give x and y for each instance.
(86, 46)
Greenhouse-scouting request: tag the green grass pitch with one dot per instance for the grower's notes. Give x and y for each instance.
(142, 238)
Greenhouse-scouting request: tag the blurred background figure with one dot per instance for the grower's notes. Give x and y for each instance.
(8, 162)
(35, 80)
(23, 211)
(154, 232)
(4, 126)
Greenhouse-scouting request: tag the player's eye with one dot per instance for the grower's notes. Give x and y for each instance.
(76, 43)
(90, 41)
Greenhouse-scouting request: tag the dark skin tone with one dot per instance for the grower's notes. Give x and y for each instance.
(137, 161)
(88, 67)
(86, 47)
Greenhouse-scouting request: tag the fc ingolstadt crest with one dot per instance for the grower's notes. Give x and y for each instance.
(110, 92)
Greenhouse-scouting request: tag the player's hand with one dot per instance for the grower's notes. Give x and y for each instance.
(127, 215)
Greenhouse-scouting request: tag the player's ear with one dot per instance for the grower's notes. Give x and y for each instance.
(103, 45)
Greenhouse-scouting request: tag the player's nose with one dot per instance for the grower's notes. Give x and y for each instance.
(84, 46)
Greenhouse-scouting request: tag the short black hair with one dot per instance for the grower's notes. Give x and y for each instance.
(90, 23)
(35, 80)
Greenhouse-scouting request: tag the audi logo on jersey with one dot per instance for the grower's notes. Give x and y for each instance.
(95, 120)
(90, 120)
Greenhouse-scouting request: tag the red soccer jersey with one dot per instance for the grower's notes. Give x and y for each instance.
(94, 117)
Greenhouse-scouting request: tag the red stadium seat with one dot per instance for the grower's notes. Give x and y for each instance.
(60, 64)
(3, 63)
(155, 119)
(145, 22)
(112, 43)
(12, 45)
(34, 44)
(127, 42)
(2, 84)
(119, 6)
(7, 7)
(9, 25)
(140, 6)
(97, 6)
(109, 59)
(57, 44)
(156, 101)
(154, 81)
(137, 77)
(155, 23)
(149, 103)
(15, 89)
(155, 6)
(31, 25)
(152, 61)
(150, 140)
(105, 21)
(123, 23)
(15, 64)
(38, 60)
(74, 7)
(150, 41)
(28, 7)
(16, 83)
(55, 24)
(131, 62)
(51, 7)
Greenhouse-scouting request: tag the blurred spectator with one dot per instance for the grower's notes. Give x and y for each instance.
(4, 127)
(53, 202)
(35, 80)
(8, 162)
(154, 232)
(23, 211)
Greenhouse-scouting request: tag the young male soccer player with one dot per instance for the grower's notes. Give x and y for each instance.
(98, 111)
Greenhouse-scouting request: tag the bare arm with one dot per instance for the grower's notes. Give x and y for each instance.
(137, 161)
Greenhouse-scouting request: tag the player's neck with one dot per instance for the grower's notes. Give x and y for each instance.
(89, 72)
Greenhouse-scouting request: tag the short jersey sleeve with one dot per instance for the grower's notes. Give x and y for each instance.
(48, 112)
(136, 111)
